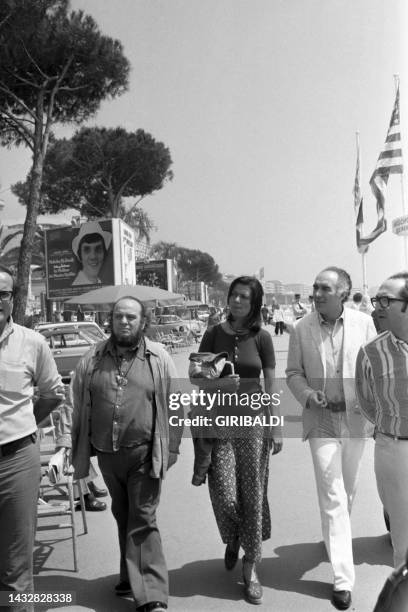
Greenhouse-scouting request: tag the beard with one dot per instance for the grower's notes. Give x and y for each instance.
(126, 341)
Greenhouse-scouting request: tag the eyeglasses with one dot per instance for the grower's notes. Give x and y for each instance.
(5, 296)
(384, 301)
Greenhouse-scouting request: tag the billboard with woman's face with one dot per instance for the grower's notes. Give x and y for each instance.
(79, 258)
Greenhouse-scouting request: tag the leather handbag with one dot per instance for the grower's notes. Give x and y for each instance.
(206, 365)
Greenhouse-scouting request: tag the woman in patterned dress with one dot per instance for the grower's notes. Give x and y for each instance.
(238, 474)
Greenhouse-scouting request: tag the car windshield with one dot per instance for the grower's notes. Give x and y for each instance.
(69, 339)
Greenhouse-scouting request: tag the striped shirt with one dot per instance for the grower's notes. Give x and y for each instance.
(381, 384)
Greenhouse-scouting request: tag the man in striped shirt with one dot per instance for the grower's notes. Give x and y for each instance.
(382, 390)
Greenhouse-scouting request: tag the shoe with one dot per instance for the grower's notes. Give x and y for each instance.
(231, 555)
(155, 606)
(341, 599)
(95, 491)
(252, 588)
(123, 588)
(91, 504)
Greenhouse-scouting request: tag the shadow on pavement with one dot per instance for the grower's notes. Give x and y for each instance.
(207, 578)
(285, 571)
(93, 594)
(374, 550)
(210, 579)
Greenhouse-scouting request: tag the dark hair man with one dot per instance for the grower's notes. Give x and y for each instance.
(322, 354)
(119, 394)
(381, 382)
(26, 361)
(298, 308)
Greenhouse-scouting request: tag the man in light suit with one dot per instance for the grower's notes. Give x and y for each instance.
(322, 356)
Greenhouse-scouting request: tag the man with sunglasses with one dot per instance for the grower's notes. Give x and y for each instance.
(381, 384)
(25, 361)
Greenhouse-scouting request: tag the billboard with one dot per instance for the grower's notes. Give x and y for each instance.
(95, 254)
(159, 273)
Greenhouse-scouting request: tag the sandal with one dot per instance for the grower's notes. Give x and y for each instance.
(252, 588)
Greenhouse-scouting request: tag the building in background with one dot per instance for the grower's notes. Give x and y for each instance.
(157, 273)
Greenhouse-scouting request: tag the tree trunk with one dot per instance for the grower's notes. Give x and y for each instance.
(27, 243)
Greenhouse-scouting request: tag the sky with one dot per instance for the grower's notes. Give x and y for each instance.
(259, 102)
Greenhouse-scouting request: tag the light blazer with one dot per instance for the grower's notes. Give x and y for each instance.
(306, 367)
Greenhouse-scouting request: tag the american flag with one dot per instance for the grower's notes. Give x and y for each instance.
(389, 162)
(358, 205)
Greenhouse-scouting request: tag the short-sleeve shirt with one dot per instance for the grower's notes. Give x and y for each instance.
(250, 353)
(26, 362)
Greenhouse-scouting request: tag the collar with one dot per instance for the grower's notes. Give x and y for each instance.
(397, 341)
(323, 321)
(8, 329)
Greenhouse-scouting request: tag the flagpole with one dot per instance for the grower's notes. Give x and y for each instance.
(404, 207)
(363, 255)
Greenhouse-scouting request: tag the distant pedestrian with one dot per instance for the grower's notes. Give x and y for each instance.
(279, 320)
(356, 301)
(79, 314)
(213, 318)
(265, 314)
(311, 303)
(57, 317)
(298, 308)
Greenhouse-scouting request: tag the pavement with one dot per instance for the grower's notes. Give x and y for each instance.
(295, 571)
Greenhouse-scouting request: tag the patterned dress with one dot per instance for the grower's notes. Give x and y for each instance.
(238, 475)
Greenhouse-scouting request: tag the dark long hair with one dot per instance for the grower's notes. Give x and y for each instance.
(253, 320)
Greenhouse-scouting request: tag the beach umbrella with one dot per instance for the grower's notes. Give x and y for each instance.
(103, 299)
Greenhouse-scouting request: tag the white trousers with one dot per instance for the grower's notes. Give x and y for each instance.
(337, 464)
(391, 471)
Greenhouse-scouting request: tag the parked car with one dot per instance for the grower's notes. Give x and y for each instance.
(187, 330)
(175, 323)
(69, 342)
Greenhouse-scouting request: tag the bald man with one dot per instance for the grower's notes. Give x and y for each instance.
(119, 397)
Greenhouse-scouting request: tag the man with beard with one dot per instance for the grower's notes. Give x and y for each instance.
(119, 395)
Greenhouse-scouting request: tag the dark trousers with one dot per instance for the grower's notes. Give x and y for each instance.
(19, 485)
(279, 327)
(135, 498)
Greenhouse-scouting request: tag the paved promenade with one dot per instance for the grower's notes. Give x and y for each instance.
(295, 571)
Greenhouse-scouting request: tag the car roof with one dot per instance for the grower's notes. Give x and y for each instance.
(66, 324)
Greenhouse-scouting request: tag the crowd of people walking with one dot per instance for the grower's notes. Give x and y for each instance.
(348, 377)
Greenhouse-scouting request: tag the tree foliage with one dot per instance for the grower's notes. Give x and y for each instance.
(55, 67)
(193, 265)
(98, 170)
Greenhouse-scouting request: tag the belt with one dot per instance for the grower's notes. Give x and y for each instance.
(12, 447)
(336, 406)
(388, 435)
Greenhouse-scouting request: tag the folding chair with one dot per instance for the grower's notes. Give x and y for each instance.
(51, 508)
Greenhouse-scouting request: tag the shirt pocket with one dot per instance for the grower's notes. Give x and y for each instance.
(14, 376)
